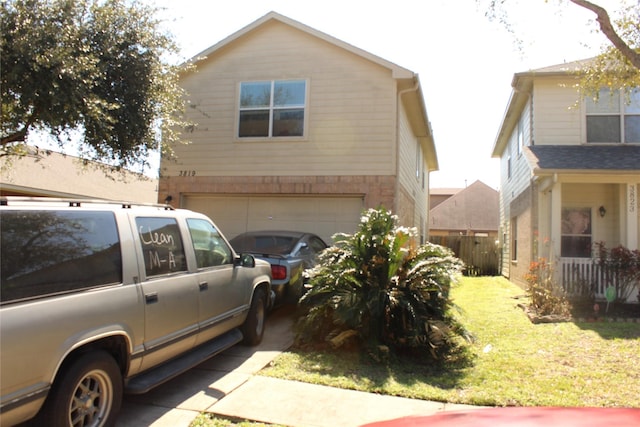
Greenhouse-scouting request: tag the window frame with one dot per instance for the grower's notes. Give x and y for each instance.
(619, 111)
(77, 251)
(162, 247)
(514, 239)
(218, 253)
(271, 109)
(574, 230)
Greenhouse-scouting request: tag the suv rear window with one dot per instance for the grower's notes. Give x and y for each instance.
(50, 252)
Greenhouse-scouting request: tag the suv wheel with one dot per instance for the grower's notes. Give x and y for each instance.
(88, 393)
(253, 328)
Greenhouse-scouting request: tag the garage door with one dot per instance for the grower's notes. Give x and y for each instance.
(324, 216)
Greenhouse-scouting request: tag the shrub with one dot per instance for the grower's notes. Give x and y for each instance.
(546, 297)
(378, 288)
(622, 269)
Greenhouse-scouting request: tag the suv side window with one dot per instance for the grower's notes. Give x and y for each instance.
(51, 252)
(162, 246)
(209, 246)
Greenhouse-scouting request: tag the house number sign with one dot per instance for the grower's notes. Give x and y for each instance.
(633, 198)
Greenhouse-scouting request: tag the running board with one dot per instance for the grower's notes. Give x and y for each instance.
(154, 377)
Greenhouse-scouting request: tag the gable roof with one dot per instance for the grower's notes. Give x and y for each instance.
(397, 71)
(522, 84)
(473, 208)
(408, 82)
(584, 158)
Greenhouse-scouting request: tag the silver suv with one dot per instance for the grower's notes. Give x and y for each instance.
(103, 298)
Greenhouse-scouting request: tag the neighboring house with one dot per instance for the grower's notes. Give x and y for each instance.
(570, 173)
(439, 195)
(472, 211)
(50, 174)
(295, 129)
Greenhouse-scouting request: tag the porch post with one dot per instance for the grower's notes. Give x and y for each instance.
(556, 222)
(631, 215)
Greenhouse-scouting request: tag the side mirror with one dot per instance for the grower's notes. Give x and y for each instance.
(246, 260)
(304, 249)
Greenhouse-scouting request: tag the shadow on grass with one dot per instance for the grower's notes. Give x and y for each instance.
(617, 321)
(610, 328)
(359, 370)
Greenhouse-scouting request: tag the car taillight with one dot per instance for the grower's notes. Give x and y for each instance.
(278, 272)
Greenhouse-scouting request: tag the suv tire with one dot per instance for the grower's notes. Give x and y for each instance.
(253, 327)
(88, 393)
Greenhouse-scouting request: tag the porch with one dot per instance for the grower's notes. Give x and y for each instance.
(586, 276)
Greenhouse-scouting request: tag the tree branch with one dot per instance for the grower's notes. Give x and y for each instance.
(607, 28)
(19, 136)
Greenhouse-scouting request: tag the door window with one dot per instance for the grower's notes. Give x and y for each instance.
(162, 246)
(209, 246)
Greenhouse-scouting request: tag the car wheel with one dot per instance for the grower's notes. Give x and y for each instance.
(87, 394)
(253, 328)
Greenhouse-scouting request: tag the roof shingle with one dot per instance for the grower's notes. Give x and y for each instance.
(586, 157)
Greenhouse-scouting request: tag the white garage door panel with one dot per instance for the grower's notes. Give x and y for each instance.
(324, 216)
(229, 213)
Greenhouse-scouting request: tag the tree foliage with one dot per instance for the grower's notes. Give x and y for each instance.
(97, 68)
(618, 66)
(376, 286)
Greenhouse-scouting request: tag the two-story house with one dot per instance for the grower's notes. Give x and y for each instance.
(296, 129)
(570, 173)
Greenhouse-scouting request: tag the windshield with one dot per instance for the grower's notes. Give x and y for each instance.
(278, 245)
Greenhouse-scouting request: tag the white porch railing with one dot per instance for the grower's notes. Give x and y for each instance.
(584, 276)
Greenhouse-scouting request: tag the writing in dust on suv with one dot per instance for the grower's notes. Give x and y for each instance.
(103, 298)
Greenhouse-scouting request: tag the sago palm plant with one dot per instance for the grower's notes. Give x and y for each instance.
(379, 287)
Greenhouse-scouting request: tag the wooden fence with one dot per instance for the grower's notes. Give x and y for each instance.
(480, 255)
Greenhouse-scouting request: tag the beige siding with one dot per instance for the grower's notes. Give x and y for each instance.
(514, 186)
(350, 110)
(557, 116)
(411, 170)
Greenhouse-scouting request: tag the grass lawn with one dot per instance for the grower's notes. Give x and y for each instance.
(511, 361)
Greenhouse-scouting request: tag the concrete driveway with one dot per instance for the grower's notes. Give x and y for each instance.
(226, 385)
(177, 402)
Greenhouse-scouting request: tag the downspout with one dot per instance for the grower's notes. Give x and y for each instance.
(415, 87)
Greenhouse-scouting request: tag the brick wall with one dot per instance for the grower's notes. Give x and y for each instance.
(377, 190)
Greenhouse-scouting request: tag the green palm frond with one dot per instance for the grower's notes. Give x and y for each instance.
(378, 283)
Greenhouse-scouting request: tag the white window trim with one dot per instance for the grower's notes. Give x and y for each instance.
(622, 106)
(305, 128)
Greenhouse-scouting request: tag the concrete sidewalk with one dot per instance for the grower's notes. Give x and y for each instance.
(227, 385)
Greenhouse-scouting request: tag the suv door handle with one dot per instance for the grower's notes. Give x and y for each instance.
(203, 286)
(151, 298)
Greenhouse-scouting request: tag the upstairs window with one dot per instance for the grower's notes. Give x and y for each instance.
(272, 109)
(614, 117)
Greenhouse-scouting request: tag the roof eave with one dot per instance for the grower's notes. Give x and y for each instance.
(413, 99)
